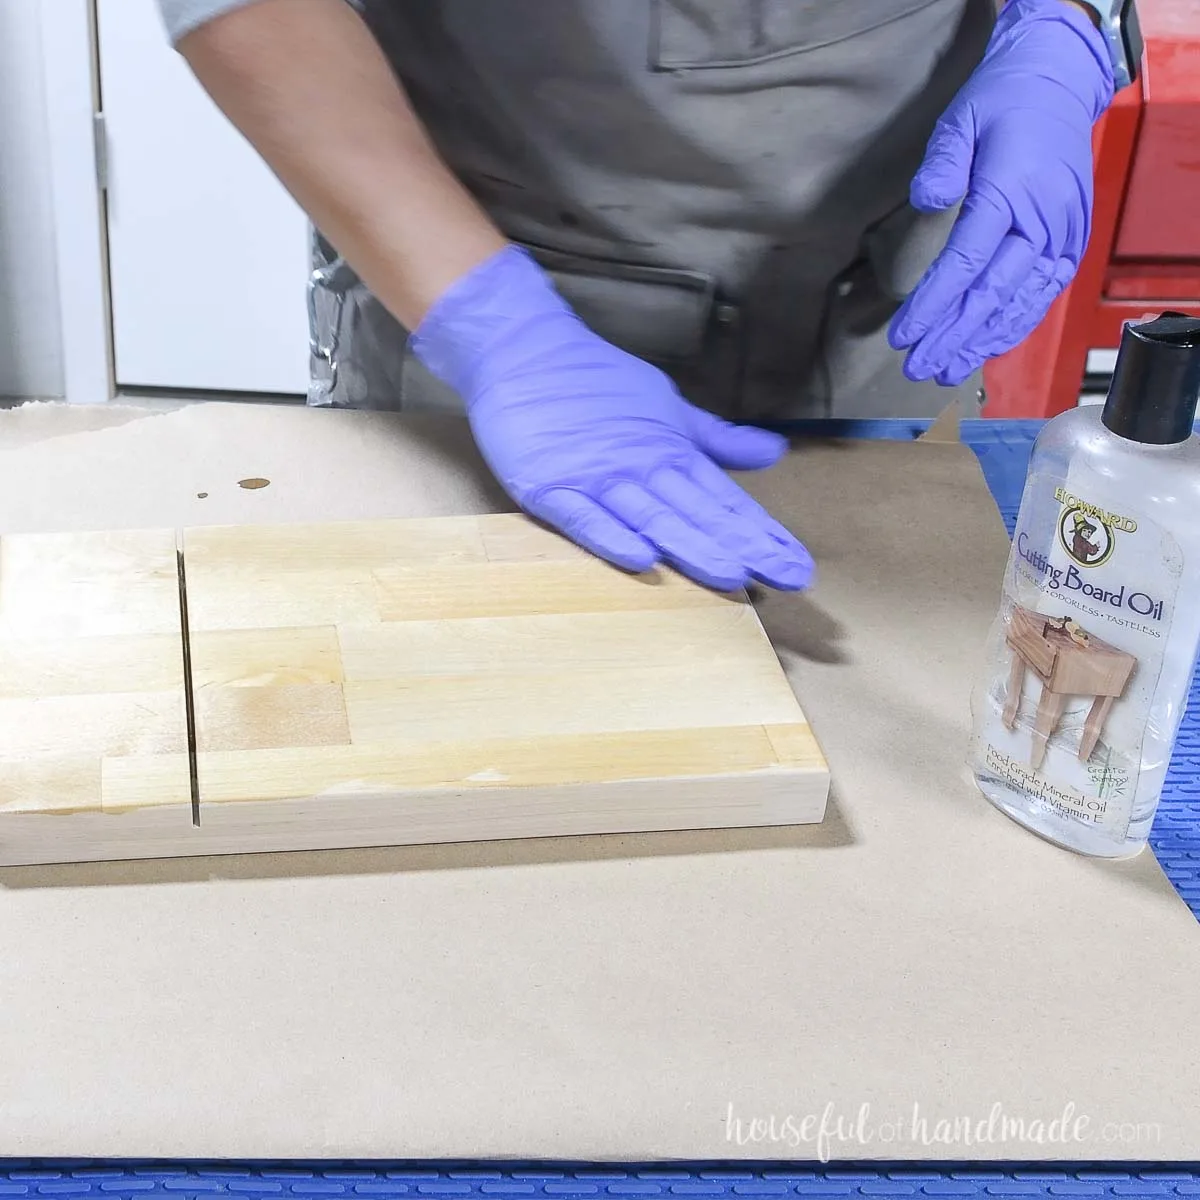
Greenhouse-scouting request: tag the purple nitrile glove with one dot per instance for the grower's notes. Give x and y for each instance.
(597, 443)
(1016, 147)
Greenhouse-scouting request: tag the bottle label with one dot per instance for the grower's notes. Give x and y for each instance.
(1067, 717)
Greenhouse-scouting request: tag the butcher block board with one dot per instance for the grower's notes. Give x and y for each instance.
(397, 682)
(91, 691)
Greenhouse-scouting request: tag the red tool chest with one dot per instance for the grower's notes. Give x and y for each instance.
(1144, 254)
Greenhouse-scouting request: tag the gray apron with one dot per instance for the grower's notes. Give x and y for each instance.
(717, 186)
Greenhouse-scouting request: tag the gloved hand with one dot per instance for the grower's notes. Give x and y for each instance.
(1015, 147)
(597, 443)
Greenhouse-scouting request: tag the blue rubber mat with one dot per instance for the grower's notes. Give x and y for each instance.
(1003, 448)
(575, 1182)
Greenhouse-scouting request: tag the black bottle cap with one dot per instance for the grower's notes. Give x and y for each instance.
(1156, 385)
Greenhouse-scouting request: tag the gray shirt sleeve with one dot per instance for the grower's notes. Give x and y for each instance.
(182, 16)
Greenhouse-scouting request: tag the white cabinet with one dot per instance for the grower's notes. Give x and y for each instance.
(208, 255)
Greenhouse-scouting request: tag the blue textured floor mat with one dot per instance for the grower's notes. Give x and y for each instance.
(575, 1181)
(1003, 449)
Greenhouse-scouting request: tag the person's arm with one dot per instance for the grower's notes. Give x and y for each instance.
(580, 434)
(307, 85)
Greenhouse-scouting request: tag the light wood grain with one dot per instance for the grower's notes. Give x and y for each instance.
(299, 549)
(129, 785)
(91, 674)
(420, 793)
(371, 683)
(250, 572)
(260, 717)
(521, 704)
(33, 668)
(514, 588)
(102, 724)
(88, 585)
(501, 764)
(265, 657)
(59, 783)
(257, 598)
(554, 643)
(515, 539)
(381, 679)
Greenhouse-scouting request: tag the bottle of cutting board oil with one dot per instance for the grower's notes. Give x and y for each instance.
(1091, 658)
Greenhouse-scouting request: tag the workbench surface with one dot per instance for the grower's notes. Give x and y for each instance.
(1003, 450)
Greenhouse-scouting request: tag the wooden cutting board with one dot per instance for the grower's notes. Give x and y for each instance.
(93, 728)
(387, 682)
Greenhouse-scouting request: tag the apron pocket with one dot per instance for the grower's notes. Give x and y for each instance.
(656, 313)
(688, 34)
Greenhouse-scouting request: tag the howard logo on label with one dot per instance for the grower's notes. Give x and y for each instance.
(1087, 532)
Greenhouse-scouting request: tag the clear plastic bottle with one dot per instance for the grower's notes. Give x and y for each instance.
(1092, 654)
